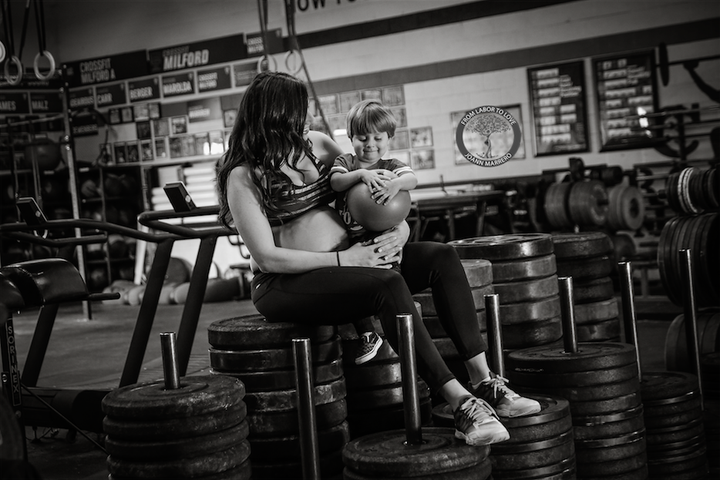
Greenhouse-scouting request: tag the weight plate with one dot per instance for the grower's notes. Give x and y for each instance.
(711, 188)
(330, 466)
(581, 245)
(531, 334)
(700, 471)
(663, 258)
(181, 427)
(532, 455)
(563, 470)
(627, 208)
(375, 420)
(266, 381)
(588, 203)
(596, 311)
(167, 449)
(241, 472)
(616, 467)
(587, 268)
(238, 361)
(663, 385)
(181, 467)
(282, 423)
(555, 205)
(591, 291)
(659, 416)
(524, 269)
(639, 474)
(511, 246)
(616, 448)
(385, 396)
(554, 359)
(707, 327)
(387, 454)
(479, 272)
(287, 399)
(254, 332)
(526, 291)
(196, 396)
(526, 312)
(675, 434)
(475, 472)
(607, 426)
(288, 447)
(605, 406)
(372, 374)
(604, 331)
(589, 393)
(574, 379)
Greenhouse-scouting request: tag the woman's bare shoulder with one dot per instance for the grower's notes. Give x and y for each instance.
(324, 147)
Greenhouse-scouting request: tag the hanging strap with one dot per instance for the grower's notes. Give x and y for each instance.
(12, 58)
(43, 52)
(264, 61)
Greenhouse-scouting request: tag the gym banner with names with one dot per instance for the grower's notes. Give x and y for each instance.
(144, 90)
(14, 103)
(46, 102)
(82, 98)
(557, 97)
(204, 109)
(626, 90)
(176, 85)
(110, 95)
(213, 79)
(193, 55)
(107, 69)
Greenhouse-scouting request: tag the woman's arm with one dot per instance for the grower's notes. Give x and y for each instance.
(304, 244)
(324, 147)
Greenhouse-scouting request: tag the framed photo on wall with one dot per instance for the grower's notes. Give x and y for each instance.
(559, 110)
(626, 89)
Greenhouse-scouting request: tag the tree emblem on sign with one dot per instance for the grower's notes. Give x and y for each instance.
(486, 126)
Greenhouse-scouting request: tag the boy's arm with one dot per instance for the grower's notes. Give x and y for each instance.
(406, 181)
(341, 180)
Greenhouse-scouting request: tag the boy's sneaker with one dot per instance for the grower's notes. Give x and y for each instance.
(477, 423)
(505, 402)
(370, 343)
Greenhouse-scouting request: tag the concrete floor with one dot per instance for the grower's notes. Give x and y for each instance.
(92, 352)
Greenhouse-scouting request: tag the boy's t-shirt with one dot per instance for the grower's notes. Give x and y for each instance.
(348, 163)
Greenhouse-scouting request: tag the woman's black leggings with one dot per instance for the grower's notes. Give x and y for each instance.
(340, 295)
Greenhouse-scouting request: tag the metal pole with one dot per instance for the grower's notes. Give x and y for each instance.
(628, 309)
(169, 361)
(688, 280)
(494, 332)
(567, 302)
(306, 409)
(408, 369)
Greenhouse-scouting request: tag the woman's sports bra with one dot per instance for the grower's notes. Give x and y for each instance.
(297, 200)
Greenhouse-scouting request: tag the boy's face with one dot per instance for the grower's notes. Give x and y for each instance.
(370, 147)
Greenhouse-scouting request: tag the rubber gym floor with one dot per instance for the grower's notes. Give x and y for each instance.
(91, 353)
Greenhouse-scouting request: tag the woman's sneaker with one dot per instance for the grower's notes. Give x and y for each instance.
(477, 423)
(370, 343)
(505, 402)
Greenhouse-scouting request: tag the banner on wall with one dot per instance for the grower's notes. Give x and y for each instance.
(107, 69)
(557, 97)
(82, 98)
(193, 55)
(14, 103)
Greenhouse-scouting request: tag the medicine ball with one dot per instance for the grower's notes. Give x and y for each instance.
(376, 217)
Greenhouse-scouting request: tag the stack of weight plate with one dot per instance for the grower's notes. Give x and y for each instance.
(582, 203)
(524, 277)
(700, 234)
(589, 259)
(197, 431)
(374, 391)
(692, 190)
(480, 278)
(260, 354)
(626, 209)
(674, 426)
(707, 331)
(541, 445)
(710, 368)
(600, 381)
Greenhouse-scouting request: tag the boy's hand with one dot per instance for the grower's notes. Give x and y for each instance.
(374, 179)
(383, 195)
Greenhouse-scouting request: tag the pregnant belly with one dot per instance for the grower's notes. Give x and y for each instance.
(319, 230)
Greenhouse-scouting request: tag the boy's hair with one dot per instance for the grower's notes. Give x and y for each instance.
(370, 116)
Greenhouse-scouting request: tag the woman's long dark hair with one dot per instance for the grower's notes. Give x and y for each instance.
(268, 133)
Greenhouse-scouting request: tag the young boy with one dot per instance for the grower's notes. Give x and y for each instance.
(370, 126)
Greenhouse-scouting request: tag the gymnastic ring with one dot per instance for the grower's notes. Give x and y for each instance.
(269, 57)
(293, 54)
(3, 52)
(13, 81)
(50, 58)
